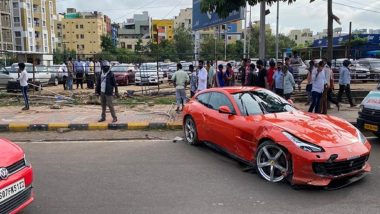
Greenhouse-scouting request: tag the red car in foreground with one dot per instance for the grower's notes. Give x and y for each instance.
(263, 130)
(16, 176)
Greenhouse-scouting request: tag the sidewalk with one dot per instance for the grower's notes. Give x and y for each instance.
(86, 117)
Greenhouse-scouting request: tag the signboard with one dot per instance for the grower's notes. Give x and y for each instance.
(372, 39)
(209, 19)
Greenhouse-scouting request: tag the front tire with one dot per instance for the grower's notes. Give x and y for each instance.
(190, 131)
(272, 162)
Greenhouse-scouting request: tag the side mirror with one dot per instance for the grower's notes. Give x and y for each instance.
(225, 110)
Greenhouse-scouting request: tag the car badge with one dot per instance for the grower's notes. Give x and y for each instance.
(351, 163)
(3, 173)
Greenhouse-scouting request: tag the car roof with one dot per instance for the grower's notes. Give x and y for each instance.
(232, 90)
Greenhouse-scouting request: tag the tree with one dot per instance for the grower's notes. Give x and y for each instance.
(183, 42)
(208, 48)
(106, 43)
(138, 46)
(356, 41)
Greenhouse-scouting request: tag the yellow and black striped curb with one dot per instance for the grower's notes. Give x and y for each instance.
(25, 127)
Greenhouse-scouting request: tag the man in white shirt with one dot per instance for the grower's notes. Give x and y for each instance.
(202, 77)
(24, 84)
(319, 82)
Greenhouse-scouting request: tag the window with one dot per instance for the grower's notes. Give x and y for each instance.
(17, 34)
(63, 26)
(43, 10)
(295, 37)
(28, 6)
(83, 47)
(82, 36)
(76, 26)
(77, 36)
(64, 36)
(122, 44)
(44, 23)
(203, 98)
(129, 46)
(29, 20)
(78, 46)
(81, 26)
(247, 104)
(16, 19)
(218, 99)
(15, 5)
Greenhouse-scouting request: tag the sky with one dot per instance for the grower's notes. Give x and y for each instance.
(302, 14)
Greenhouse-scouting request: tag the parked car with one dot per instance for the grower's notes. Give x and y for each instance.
(356, 70)
(124, 74)
(369, 113)
(373, 65)
(149, 73)
(56, 76)
(261, 129)
(16, 178)
(5, 78)
(172, 69)
(41, 76)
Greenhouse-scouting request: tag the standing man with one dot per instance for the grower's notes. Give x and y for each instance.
(202, 77)
(263, 79)
(271, 70)
(278, 78)
(70, 74)
(193, 81)
(91, 74)
(79, 69)
(289, 83)
(105, 88)
(98, 70)
(180, 80)
(24, 84)
(218, 81)
(210, 73)
(229, 75)
(62, 70)
(295, 63)
(344, 82)
(319, 82)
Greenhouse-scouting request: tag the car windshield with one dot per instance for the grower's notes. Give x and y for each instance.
(119, 69)
(261, 102)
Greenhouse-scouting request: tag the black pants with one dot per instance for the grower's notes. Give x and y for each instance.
(316, 101)
(24, 91)
(279, 92)
(330, 97)
(90, 81)
(287, 96)
(79, 77)
(345, 88)
(64, 82)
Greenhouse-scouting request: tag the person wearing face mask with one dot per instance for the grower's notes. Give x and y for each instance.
(105, 87)
(202, 77)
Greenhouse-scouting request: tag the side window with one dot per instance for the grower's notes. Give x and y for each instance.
(364, 63)
(218, 99)
(203, 99)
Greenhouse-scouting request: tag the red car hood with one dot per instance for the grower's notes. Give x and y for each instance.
(9, 153)
(322, 130)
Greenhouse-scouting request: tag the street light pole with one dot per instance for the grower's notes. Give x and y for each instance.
(262, 31)
(245, 32)
(277, 26)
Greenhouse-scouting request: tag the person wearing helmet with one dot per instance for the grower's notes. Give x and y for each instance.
(344, 82)
(105, 87)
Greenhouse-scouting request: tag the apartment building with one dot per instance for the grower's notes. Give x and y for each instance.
(184, 19)
(59, 32)
(133, 30)
(162, 29)
(301, 37)
(34, 25)
(82, 31)
(6, 35)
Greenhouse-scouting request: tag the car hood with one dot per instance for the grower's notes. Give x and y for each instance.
(323, 130)
(9, 153)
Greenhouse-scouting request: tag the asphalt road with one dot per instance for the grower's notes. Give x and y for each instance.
(159, 176)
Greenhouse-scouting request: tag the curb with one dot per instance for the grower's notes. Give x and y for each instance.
(25, 127)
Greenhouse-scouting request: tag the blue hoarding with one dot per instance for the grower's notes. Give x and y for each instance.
(204, 20)
(372, 39)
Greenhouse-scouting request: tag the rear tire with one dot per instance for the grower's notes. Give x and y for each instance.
(273, 162)
(190, 131)
(56, 81)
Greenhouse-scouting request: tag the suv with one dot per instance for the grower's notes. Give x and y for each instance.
(373, 65)
(369, 113)
(147, 74)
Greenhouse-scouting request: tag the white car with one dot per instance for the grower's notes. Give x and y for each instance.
(369, 113)
(149, 73)
(41, 76)
(5, 78)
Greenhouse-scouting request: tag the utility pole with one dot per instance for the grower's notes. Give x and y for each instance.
(245, 32)
(250, 31)
(277, 26)
(349, 41)
(225, 42)
(330, 21)
(262, 31)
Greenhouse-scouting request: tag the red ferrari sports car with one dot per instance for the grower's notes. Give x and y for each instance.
(16, 176)
(265, 131)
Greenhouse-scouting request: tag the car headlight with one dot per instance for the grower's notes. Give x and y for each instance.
(362, 139)
(27, 163)
(361, 108)
(302, 144)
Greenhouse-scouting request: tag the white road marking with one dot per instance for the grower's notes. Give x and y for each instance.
(94, 141)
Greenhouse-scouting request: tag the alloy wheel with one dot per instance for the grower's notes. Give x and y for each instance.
(190, 131)
(272, 163)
